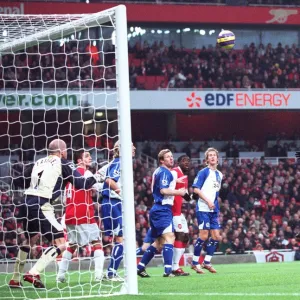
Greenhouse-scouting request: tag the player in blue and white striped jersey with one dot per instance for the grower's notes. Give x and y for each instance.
(161, 217)
(111, 211)
(206, 186)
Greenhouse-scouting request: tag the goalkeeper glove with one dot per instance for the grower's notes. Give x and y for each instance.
(99, 176)
(187, 197)
(195, 196)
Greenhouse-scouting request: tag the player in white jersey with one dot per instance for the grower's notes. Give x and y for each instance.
(49, 177)
(206, 186)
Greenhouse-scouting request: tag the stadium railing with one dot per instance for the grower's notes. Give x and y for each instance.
(148, 160)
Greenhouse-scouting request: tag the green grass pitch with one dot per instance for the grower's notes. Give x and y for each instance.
(235, 281)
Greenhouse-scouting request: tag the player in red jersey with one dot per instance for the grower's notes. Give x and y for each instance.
(179, 221)
(81, 225)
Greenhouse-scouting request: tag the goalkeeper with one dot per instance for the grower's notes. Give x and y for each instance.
(49, 176)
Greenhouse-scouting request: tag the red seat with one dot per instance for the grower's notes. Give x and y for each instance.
(140, 81)
(159, 80)
(136, 62)
(150, 83)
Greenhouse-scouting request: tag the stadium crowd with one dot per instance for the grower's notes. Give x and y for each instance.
(153, 67)
(259, 205)
(259, 208)
(262, 66)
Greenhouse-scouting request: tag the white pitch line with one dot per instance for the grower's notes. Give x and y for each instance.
(221, 294)
(186, 294)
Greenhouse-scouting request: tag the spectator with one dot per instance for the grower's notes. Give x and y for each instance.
(225, 246)
(237, 246)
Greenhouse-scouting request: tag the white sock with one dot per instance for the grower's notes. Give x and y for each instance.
(176, 257)
(99, 262)
(64, 263)
(47, 257)
(207, 258)
(19, 265)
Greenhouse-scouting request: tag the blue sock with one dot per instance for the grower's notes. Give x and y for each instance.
(115, 260)
(197, 251)
(148, 255)
(168, 256)
(210, 249)
(139, 251)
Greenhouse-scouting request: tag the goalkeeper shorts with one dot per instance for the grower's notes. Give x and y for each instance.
(40, 219)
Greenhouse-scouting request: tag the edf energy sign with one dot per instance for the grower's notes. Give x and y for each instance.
(243, 100)
(256, 99)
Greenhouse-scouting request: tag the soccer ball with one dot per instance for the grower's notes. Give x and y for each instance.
(226, 39)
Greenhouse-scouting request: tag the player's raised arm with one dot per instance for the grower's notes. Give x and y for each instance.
(70, 174)
(113, 185)
(112, 178)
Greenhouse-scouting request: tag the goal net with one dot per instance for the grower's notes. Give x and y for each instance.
(66, 77)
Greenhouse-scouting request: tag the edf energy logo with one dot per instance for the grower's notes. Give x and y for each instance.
(240, 100)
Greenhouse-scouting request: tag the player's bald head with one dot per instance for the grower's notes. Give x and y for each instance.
(57, 146)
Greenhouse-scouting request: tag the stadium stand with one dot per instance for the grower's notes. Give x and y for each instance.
(157, 66)
(262, 66)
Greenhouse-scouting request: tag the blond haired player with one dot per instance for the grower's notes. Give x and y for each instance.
(206, 186)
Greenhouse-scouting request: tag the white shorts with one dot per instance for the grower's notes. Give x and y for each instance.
(180, 224)
(83, 234)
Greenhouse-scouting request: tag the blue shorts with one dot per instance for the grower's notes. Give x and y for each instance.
(111, 215)
(148, 238)
(161, 220)
(208, 220)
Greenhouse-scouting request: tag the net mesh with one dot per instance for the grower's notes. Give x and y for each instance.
(57, 80)
(15, 27)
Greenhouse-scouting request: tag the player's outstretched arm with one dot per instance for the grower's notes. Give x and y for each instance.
(70, 174)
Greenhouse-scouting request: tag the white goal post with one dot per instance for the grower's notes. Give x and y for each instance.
(18, 32)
